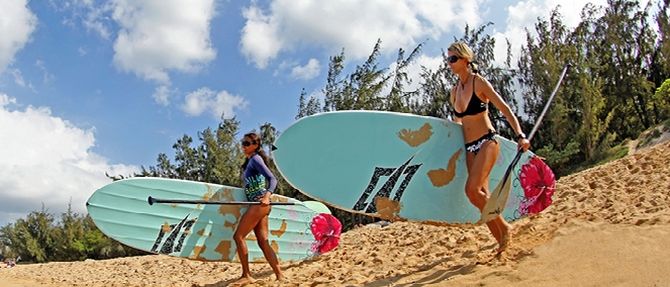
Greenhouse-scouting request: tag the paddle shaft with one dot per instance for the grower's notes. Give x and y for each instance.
(152, 200)
(551, 98)
(539, 119)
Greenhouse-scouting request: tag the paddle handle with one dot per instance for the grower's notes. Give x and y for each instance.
(152, 200)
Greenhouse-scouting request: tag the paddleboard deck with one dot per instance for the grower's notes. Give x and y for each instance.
(390, 165)
(198, 231)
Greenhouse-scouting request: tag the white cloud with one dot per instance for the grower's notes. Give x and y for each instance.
(215, 103)
(20, 81)
(162, 95)
(259, 37)
(46, 159)
(18, 77)
(159, 36)
(91, 14)
(354, 25)
(46, 76)
(6, 100)
(17, 23)
(96, 19)
(308, 71)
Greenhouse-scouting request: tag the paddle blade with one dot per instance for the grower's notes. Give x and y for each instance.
(496, 203)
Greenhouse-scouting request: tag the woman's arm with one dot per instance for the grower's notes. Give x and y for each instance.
(265, 171)
(452, 98)
(485, 89)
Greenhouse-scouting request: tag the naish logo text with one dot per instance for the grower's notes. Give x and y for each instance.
(394, 174)
(168, 246)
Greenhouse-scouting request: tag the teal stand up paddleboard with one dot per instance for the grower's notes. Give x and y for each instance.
(192, 228)
(391, 165)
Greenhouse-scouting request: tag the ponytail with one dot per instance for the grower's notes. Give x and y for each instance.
(474, 67)
(261, 153)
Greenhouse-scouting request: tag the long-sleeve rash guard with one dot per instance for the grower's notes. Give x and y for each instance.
(255, 176)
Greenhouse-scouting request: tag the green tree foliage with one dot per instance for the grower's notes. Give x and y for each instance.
(307, 107)
(216, 158)
(41, 238)
(399, 99)
(368, 87)
(540, 64)
(188, 159)
(626, 40)
(660, 57)
(222, 154)
(333, 90)
(662, 97)
(607, 96)
(32, 238)
(433, 94)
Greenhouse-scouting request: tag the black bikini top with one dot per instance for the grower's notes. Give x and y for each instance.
(475, 106)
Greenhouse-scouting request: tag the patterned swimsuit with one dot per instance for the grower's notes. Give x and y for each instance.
(475, 146)
(255, 175)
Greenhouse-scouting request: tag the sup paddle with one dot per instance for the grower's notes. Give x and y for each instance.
(152, 200)
(496, 203)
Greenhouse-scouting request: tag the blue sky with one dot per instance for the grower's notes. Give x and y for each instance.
(88, 87)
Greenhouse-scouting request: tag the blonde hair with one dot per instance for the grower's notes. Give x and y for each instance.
(462, 50)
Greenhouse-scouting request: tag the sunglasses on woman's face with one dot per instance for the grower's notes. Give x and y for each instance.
(247, 143)
(453, 59)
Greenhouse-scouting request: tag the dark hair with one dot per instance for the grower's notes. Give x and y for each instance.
(255, 139)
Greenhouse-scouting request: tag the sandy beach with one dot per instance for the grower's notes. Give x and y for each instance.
(608, 226)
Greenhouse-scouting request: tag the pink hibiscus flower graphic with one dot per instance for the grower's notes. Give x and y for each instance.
(538, 184)
(326, 230)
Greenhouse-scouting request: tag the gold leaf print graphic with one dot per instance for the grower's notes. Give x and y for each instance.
(279, 232)
(387, 208)
(415, 138)
(441, 177)
(223, 248)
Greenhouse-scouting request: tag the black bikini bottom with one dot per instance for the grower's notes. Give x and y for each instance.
(476, 145)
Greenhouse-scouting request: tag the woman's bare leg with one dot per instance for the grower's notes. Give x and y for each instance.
(247, 223)
(476, 187)
(261, 232)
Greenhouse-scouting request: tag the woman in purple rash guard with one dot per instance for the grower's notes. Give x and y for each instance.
(256, 177)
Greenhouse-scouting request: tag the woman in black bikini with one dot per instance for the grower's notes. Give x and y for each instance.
(471, 97)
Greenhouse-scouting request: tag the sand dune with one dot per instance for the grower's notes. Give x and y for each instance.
(608, 226)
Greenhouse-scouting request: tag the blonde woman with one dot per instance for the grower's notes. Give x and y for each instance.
(470, 98)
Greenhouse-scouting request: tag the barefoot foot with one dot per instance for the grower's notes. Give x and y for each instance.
(504, 240)
(244, 280)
